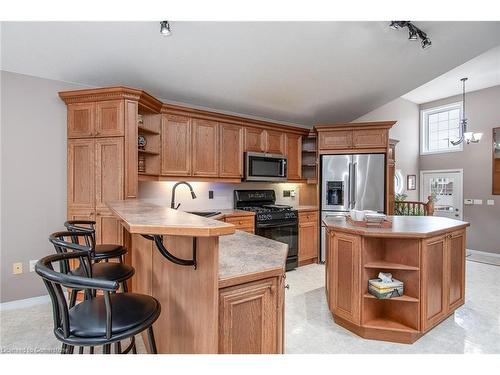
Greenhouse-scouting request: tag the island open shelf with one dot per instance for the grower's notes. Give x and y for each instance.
(426, 253)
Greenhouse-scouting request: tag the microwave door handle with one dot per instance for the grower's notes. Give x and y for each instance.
(283, 164)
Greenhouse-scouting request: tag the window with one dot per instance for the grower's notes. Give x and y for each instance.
(440, 126)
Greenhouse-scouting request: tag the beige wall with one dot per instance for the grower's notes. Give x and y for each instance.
(33, 176)
(483, 113)
(406, 130)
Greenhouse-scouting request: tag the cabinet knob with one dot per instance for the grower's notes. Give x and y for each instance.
(287, 286)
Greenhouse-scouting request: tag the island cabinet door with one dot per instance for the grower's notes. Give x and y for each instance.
(345, 290)
(456, 270)
(249, 318)
(175, 145)
(433, 294)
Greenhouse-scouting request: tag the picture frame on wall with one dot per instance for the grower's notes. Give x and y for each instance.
(411, 182)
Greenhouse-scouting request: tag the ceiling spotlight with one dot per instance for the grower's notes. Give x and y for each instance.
(165, 28)
(414, 33)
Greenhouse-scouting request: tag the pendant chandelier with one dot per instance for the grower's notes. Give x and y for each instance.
(465, 136)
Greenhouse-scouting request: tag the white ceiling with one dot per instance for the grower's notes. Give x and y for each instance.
(483, 71)
(294, 72)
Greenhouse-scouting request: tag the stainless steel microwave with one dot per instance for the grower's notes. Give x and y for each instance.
(265, 167)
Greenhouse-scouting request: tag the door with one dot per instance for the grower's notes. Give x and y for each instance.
(255, 140)
(110, 119)
(176, 146)
(109, 180)
(446, 186)
(368, 182)
(248, 318)
(335, 182)
(294, 155)
(275, 142)
(81, 120)
(231, 151)
(205, 148)
(81, 156)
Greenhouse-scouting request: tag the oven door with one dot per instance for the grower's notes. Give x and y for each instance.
(283, 232)
(265, 167)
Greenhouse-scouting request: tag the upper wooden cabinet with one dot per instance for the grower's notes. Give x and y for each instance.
(255, 139)
(294, 156)
(369, 138)
(96, 119)
(176, 145)
(275, 141)
(81, 175)
(109, 171)
(205, 148)
(230, 151)
(335, 139)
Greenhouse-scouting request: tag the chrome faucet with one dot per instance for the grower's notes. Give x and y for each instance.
(172, 203)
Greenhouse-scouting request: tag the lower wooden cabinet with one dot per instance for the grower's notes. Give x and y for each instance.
(251, 317)
(108, 228)
(244, 223)
(308, 237)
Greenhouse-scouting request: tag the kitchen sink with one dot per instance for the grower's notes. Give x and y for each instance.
(204, 213)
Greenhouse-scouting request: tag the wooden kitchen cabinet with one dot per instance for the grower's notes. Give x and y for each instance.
(109, 173)
(205, 148)
(231, 151)
(308, 237)
(108, 227)
(294, 156)
(251, 318)
(109, 119)
(275, 142)
(81, 120)
(369, 138)
(176, 145)
(255, 139)
(335, 140)
(455, 293)
(391, 172)
(345, 276)
(81, 176)
(245, 223)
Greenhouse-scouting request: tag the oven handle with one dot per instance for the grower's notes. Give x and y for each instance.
(276, 225)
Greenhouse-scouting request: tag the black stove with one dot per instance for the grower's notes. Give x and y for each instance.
(274, 221)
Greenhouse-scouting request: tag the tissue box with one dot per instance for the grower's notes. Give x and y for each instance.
(383, 290)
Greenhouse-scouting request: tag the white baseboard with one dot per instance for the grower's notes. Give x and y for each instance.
(470, 251)
(20, 303)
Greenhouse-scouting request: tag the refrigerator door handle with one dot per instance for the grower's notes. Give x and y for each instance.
(355, 183)
(349, 186)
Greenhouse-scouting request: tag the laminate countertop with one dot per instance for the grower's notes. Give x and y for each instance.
(148, 217)
(402, 227)
(245, 257)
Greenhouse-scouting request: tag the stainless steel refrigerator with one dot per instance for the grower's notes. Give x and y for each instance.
(354, 181)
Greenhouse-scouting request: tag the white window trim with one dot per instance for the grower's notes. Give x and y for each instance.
(423, 128)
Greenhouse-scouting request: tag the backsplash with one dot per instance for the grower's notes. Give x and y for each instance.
(223, 193)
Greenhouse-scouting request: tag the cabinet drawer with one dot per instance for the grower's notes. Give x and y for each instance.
(241, 221)
(308, 217)
(369, 138)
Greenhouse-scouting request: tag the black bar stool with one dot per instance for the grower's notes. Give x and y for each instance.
(101, 251)
(99, 319)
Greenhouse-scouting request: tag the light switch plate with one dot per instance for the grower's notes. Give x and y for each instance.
(468, 201)
(478, 201)
(32, 265)
(490, 202)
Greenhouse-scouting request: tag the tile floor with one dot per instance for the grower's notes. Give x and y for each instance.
(474, 328)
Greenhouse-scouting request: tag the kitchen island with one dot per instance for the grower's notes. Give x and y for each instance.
(427, 253)
(221, 290)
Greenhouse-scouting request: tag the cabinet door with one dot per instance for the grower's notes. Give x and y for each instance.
(205, 148)
(81, 120)
(345, 284)
(108, 228)
(176, 145)
(110, 119)
(294, 156)
(456, 270)
(391, 197)
(308, 241)
(369, 138)
(248, 318)
(255, 140)
(275, 142)
(433, 281)
(109, 180)
(335, 139)
(231, 151)
(81, 173)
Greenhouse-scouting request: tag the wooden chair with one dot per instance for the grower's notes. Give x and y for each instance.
(412, 208)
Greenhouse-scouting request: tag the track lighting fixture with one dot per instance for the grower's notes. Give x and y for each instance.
(414, 33)
(165, 28)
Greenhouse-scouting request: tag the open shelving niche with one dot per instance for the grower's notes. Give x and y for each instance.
(150, 129)
(309, 158)
(401, 257)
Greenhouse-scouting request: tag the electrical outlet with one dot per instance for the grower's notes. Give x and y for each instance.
(292, 193)
(478, 201)
(17, 268)
(210, 194)
(468, 201)
(490, 202)
(286, 193)
(32, 264)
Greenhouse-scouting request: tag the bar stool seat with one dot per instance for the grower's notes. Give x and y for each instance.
(88, 318)
(107, 271)
(108, 251)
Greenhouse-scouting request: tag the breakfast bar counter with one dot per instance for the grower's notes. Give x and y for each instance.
(220, 290)
(426, 253)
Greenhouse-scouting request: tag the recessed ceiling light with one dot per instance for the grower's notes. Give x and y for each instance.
(165, 28)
